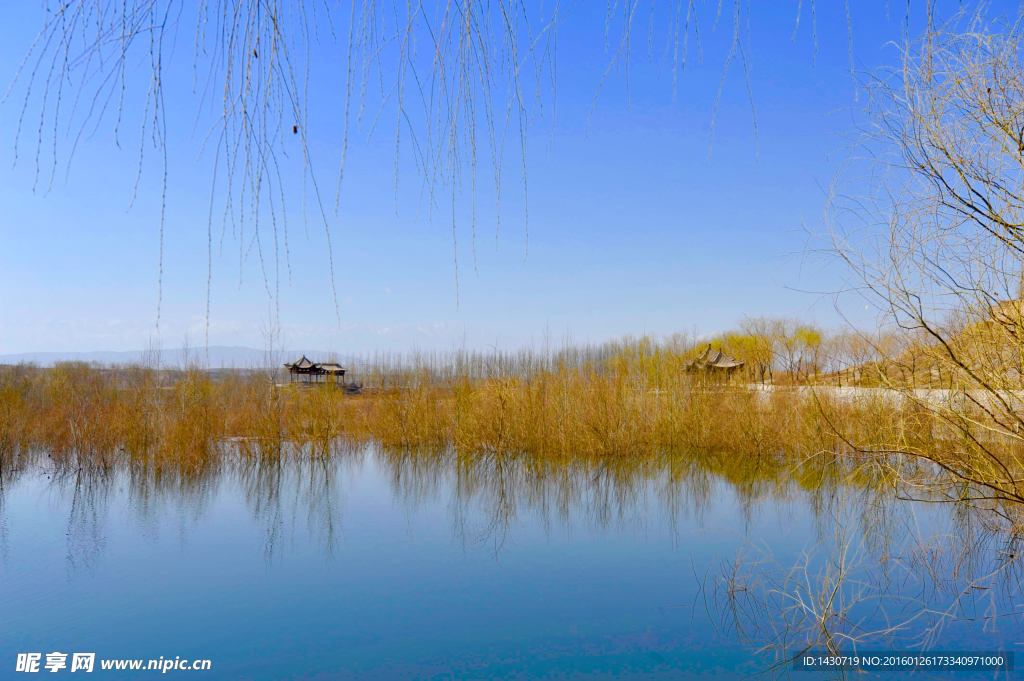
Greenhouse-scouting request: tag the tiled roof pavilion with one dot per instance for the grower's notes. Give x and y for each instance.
(714, 360)
(313, 371)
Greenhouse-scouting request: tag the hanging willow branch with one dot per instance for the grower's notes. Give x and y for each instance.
(453, 82)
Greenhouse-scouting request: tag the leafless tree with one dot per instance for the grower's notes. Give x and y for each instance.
(762, 331)
(928, 220)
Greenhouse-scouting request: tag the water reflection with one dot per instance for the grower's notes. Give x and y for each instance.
(873, 570)
(278, 489)
(5, 484)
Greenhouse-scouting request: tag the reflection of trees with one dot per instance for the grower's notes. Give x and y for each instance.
(260, 473)
(90, 495)
(898, 580)
(282, 484)
(6, 482)
(318, 489)
(281, 488)
(155, 487)
(872, 574)
(878, 570)
(490, 492)
(495, 482)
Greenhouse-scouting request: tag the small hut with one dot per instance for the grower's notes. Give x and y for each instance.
(309, 372)
(714, 363)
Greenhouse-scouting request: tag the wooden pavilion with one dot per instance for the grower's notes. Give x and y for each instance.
(309, 372)
(716, 363)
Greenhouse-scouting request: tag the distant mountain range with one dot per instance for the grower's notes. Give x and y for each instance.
(360, 338)
(220, 356)
(356, 338)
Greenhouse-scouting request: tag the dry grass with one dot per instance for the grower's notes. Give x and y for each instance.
(637, 403)
(632, 406)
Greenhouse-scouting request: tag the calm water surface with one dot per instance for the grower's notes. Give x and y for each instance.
(380, 566)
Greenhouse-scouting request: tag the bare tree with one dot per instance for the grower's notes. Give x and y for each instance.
(761, 331)
(835, 357)
(931, 234)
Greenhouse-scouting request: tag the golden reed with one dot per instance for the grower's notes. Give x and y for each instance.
(638, 401)
(634, 407)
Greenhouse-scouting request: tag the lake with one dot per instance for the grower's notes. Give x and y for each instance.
(373, 564)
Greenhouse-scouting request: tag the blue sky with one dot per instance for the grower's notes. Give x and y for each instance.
(633, 227)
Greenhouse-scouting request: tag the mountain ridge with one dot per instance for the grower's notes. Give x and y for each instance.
(220, 357)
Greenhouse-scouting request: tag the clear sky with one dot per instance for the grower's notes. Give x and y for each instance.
(633, 227)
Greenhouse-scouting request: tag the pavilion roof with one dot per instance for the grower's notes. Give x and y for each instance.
(332, 367)
(303, 363)
(715, 359)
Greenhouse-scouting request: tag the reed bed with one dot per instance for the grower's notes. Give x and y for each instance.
(631, 404)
